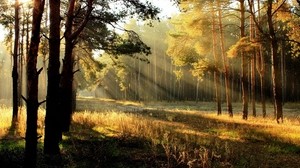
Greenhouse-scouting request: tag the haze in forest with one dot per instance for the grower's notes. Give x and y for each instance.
(199, 84)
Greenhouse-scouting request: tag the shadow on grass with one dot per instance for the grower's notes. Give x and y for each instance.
(12, 148)
(239, 144)
(84, 147)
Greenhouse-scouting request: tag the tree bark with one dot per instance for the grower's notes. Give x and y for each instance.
(53, 118)
(216, 59)
(276, 69)
(15, 65)
(225, 64)
(32, 87)
(67, 75)
(261, 66)
(244, 64)
(253, 63)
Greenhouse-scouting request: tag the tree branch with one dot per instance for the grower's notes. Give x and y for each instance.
(78, 70)
(44, 35)
(85, 20)
(39, 71)
(24, 99)
(279, 7)
(40, 103)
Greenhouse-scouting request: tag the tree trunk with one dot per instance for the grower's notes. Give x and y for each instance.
(32, 87)
(67, 74)
(244, 64)
(276, 69)
(15, 65)
(225, 63)
(66, 87)
(261, 68)
(216, 59)
(52, 120)
(66, 81)
(253, 63)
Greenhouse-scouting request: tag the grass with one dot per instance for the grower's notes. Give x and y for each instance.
(108, 133)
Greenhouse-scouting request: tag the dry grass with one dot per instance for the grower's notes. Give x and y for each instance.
(5, 123)
(120, 133)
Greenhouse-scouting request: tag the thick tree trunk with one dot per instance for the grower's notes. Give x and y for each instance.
(53, 117)
(66, 82)
(276, 69)
(32, 87)
(66, 87)
(15, 66)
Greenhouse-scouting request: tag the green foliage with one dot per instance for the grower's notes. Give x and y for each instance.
(291, 22)
(104, 33)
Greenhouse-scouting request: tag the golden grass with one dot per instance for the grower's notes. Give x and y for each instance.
(180, 130)
(5, 123)
(183, 132)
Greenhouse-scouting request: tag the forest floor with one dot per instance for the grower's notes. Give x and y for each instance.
(112, 134)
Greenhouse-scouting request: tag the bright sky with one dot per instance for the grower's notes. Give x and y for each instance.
(167, 7)
(2, 34)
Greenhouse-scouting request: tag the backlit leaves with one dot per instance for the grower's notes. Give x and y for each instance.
(242, 45)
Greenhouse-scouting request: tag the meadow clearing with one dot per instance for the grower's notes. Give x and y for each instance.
(109, 133)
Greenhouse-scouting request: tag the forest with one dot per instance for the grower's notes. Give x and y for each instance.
(149, 83)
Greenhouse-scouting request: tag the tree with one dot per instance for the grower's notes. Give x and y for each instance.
(32, 86)
(66, 81)
(272, 39)
(253, 63)
(244, 64)
(216, 60)
(15, 64)
(225, 62)
(52, 120)
(276, 69)
(260, 61)
(77, 19)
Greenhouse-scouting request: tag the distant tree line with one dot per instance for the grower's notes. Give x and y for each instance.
(219, 51)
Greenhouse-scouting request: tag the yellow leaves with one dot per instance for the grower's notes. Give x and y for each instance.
(199, 68)
(122, 74)
(179, 74)
(243, 45)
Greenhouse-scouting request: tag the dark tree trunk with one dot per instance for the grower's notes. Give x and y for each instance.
(66, 82)
(53, 117)
(67, 75)
(32, 87)
(66, 87)
(15, 66)
(276, 69)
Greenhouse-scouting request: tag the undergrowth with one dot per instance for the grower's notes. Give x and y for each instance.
(137, 135)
